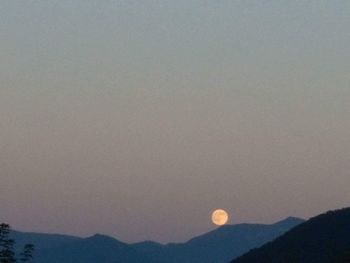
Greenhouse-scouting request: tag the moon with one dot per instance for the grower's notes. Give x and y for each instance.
(219, 217)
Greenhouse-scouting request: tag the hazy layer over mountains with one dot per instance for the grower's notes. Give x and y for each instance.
(220, 245)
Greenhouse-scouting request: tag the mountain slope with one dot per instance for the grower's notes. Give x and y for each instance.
(40, 241)
(98, 248)
(220, 245)
(316, 241)
(343, 258)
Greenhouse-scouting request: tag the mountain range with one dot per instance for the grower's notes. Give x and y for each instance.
(220, 246)
(321, 239)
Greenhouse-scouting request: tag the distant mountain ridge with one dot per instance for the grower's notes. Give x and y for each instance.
(41, 241)
(226, 242)
(321, 239)
(97, 248)
(219, 246)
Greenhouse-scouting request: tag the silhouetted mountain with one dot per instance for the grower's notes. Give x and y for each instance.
(98, 248)
(220, 245)
(343, 258)
(319, 240)
(217, 246)
(41, 241)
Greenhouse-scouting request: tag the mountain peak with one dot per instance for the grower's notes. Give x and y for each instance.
(290, 221)
(99, 236)
(103, 238)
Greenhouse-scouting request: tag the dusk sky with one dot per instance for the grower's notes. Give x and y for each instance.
(137, 119)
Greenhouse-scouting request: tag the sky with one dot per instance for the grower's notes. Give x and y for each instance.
(136, 119)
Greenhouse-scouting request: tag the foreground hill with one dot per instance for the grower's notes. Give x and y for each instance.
(343, 258)
(322, 239)
(219, 246)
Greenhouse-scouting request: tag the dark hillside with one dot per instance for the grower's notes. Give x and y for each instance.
(318, 240)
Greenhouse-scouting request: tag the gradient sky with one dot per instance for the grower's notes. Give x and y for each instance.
(137, 118)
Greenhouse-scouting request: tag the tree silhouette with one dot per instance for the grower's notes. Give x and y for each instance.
(6, 245)
(27, 253)
(7, 254)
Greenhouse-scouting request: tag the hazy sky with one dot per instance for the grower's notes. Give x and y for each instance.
(137, 118)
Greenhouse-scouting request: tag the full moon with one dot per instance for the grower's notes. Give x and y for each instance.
(219, 217)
